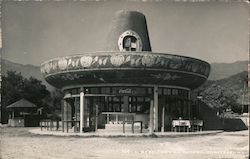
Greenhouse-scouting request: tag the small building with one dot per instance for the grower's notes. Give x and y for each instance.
(22, 113)
(126, 82)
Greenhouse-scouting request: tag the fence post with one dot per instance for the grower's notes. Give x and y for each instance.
(63, 125)
(67, 126)
(57, 124)
(51, 125)
(141, 126)
(123, 127)
(41, 125)
(132, 126)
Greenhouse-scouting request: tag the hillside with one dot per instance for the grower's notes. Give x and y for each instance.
(224, 93)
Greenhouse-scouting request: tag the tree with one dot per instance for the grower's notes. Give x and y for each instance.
(57, 97)
(16, 87)
(224, 93)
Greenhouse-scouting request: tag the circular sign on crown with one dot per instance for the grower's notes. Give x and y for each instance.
(130, 41)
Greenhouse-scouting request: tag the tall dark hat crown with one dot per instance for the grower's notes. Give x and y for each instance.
(128, 32)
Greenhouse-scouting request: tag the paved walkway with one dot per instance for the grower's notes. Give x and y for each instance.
(103, 133)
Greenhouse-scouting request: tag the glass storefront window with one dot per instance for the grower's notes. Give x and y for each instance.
(72, 91)
(86, 90)
(110, 99)
(149, 90)
(113, 104)
(139, 104)
(178, 93)
(147, 99)
(174, 91)
(140, 90)
(165, 91)
(105, 90)
(139, 108)
(132, 108)
(110, 107)
(76, 91)
(117, 107)
(94, 90)
(140, 99)
(160, 91)
(116, 99)
(67, 91)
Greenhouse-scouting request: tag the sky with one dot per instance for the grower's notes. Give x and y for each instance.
(33, 32)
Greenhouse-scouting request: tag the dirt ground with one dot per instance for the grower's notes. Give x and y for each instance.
(18, 143)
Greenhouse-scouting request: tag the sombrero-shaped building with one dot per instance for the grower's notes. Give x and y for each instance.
(127, 81)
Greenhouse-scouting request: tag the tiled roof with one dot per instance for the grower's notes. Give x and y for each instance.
(23, 103)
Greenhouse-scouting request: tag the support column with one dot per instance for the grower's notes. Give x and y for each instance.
(76, 108)
(96, 117)
(125, 103)
(156, 108)
(189, 106)
(151, 117)
(81, 111)
(75, 123)
(62, 109)
(163, 119)
(65, 110)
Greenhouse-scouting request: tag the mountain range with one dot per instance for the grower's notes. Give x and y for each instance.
(218, 70)
(225, 70)
(26, 71)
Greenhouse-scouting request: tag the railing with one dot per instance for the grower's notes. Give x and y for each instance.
(49, 124)
(118, 115)
(133, 125)
(76, 124)
(123, 118)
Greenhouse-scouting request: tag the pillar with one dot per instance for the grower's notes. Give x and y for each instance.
(96, 117)
(62, 111)
(76, 108)
(156, 108)
(65, 110)
(151, 117)
(125, 103)
(81, 111)
(163, 119)
(189, 106)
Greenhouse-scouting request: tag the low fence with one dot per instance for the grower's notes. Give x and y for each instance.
(49, 124)
(133, 125)
(177, 125)
(69, 124)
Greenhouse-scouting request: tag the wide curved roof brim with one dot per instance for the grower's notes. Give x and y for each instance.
(126, 67)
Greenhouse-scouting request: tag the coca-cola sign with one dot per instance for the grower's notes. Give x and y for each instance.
(126, 91)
